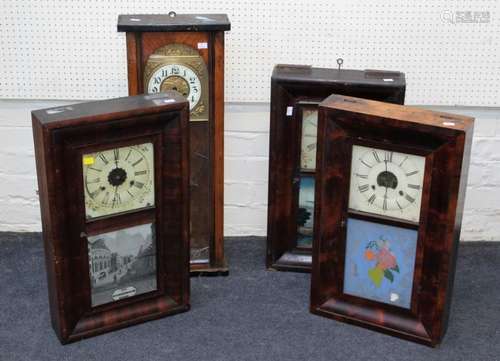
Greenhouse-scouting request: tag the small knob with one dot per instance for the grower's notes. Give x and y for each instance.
(172, 14)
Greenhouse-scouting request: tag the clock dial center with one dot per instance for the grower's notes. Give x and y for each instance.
(387, 179)
(176, 83)
(117, 177)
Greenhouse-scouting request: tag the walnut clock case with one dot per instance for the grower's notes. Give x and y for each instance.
(185, 52)
(390, 195)
(296, 92)
(113, 179)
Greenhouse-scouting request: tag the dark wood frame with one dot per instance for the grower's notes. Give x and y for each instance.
(61, 137)
(155, 31)
(445, 141)
(301, 86)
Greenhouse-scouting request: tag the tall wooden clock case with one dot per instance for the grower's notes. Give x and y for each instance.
(185, 53)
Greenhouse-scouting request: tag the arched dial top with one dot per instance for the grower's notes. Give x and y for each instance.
(118, 180)
(181, 68)
(386, 183)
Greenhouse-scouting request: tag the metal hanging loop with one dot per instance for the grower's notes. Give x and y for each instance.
(340, 61)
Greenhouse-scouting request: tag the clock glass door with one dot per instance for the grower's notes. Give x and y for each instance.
(119, 193)
(385, 195)
(306, 170)
(183, 68)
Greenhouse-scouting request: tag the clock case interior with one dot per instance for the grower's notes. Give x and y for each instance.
(345, 121)
(62, 137)
(144, 37)
(304, 87)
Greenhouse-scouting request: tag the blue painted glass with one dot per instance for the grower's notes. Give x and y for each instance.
(380, 262)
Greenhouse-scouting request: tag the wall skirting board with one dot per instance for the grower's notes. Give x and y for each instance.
(246, 169)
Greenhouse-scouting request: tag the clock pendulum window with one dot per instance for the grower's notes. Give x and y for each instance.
(185, 53)
(296, 92)
(113, 178)
(390, 192)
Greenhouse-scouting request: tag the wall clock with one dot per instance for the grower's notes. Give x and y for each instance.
(113, 179)
(185, 53)
(390, 192)
(296, 92)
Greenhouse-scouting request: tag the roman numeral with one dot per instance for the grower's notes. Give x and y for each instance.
(140, 160)
(363, 176)
(399, 205)
(103, 158)
(105, 199)
(97, 170)
(116, 153)
(97, 180)
(388, 157)
(130, 193)
(138, 184)
(128, 155)
(384, 206)
(414, 186)
(95, 193)
(116, 199)
(364, 188)
(404, 160)
(362, 161)
(141, 172)
(412, 173)
(375, 155)
(409, 198)
(371, 199)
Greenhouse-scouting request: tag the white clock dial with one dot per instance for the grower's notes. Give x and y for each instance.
(118, 180)
(309, 139)
(176, 77)
(386, 183)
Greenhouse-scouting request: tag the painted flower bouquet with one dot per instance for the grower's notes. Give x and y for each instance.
(385, 261)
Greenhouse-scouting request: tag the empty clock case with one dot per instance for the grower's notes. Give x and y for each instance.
(296, 92)
(114, 178)
(390, 189)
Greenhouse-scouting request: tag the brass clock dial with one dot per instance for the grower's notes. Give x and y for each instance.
(181, 68)
(309, 139)
(386, 183)
(118, 180)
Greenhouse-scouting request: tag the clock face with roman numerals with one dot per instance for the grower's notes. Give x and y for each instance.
(386, 183)
(118, 180)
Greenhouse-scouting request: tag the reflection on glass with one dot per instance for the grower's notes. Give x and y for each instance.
(309, 139)
(305, 213)
(380, 262)
(122, 263)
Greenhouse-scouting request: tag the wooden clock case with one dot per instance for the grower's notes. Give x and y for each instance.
(145, 34)
(445, 141)
(294, 88)
(61, 136)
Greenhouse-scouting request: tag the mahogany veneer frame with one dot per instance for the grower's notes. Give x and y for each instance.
(299, 87)
(445, 141)
(62, 135)
(145, 34)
